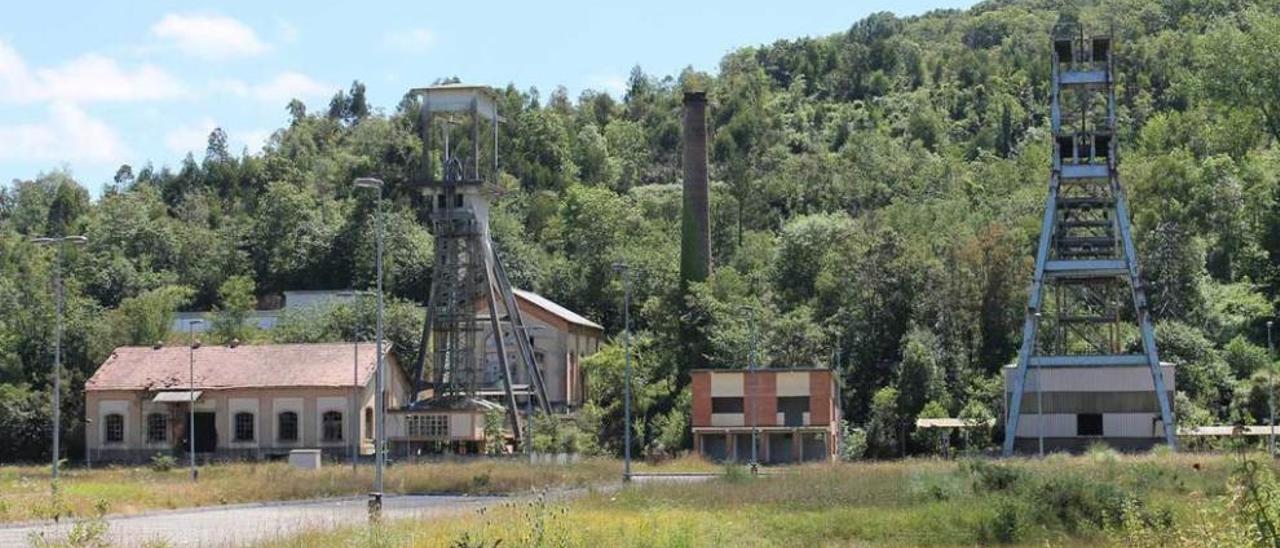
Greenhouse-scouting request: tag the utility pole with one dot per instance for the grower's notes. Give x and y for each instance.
(1271, 391)
(191, 395)
(623, 269)
(59, 298)
(380, 429)
(748, 387)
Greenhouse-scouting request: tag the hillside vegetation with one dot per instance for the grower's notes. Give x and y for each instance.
(877, 195)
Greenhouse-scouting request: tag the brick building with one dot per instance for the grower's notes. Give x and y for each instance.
(795, 412)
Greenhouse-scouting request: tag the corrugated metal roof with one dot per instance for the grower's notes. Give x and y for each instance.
(550, 306)
(243, 366)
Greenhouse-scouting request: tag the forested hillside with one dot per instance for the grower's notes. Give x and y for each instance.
(876, 199)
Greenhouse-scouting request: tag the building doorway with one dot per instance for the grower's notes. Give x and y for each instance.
(206, 432)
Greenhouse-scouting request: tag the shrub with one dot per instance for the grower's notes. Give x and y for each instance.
(991, 477)
(1076, 503)
(1005, 525)
(853, 442)
(163, 463)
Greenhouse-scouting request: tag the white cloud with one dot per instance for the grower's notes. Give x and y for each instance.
(209, 36)
(90, 77)
(68, 135)
(280, 89)
(615, 85)
(412, 41)
(286, 32)
(194, 138)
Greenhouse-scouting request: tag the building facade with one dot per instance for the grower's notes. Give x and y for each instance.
(1079, 406)
(794, 412)
(560, 339)
(250, 401)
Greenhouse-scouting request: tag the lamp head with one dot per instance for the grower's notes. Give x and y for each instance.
(368, 182)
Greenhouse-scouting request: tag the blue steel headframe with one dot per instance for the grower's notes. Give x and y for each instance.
(1086, 256)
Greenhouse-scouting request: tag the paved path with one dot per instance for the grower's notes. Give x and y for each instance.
(248, 523)
(242, 524)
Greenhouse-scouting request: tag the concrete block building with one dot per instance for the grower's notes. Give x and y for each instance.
(251, 401)
(1078, 406)
(795, 412)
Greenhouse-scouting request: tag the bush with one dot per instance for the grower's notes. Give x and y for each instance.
(853, 442)
(1005, 525)
(991, 477)
(1076, 503)
(163, 463)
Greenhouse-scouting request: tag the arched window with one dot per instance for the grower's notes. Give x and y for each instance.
(157, 428)
(368, 423)
(287, 426)
(332, 424)
(243, 426)
(113, 427)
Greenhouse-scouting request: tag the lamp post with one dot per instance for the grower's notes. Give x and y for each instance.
(355, 377)
(751, 370)
(191, 395)
(380, 428)
(59, 297)
(1271, 391)
(1040, 400)
(528, 397)
(624, 270)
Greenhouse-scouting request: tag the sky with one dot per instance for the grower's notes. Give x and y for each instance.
(87, 86)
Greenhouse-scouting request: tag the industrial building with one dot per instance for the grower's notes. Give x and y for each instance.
(251, 401)
(1115, 405)
(795, 414)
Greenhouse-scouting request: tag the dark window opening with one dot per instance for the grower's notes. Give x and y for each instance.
(157, 428)
(1066, 148)
(332, 423)
(457, 200)
(793, 409)
(1101, 146)
(244, 426)
(726, 405)
(440, 201)
(1089, 424)
(1101, 49)
(1063, 49)
(368, 423)
(114, 427)
(288, 426)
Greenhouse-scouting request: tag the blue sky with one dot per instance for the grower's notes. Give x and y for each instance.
(88, 86)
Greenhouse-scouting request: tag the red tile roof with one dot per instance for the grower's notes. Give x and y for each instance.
(244, 366)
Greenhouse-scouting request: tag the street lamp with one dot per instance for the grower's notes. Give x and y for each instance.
(751, 370)
(355, 376)
(528, 397)
(59, 298)
(380, 428)
(1040, 399)
(1271, 392)
(624, 270)
(191, 395)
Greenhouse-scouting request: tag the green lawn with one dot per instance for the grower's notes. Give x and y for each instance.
(1100, 499)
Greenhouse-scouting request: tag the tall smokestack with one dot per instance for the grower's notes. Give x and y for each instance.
(695, 226)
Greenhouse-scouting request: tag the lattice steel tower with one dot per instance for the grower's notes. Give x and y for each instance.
(1086, 294)
(459, 130)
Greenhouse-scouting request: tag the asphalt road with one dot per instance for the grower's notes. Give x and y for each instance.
(237, 525)
(247, 523)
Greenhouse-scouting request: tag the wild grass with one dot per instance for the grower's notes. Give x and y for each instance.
(1086, 500)
(25, 492)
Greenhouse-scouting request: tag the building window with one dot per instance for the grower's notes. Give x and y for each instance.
(1089, 424)
(726, 405)
(287, 426)
(368, 423)
(428, 426)
(157, 428)
(793, 409)
(244, 426)
(113, 425)
(332, 423)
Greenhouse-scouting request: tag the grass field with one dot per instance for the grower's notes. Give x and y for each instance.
(1099, 499)
(25, 490)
